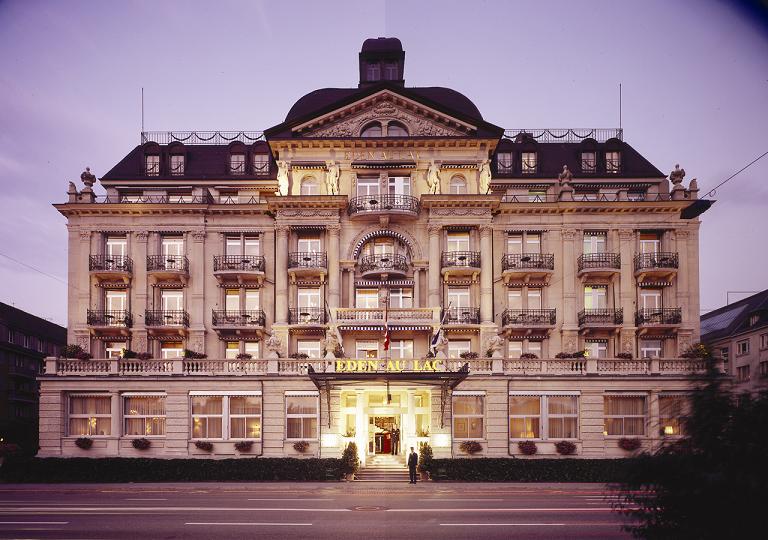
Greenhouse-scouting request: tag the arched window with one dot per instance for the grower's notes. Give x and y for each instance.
(396, 129)
(371, 130)
(458, 185)
(309, 186)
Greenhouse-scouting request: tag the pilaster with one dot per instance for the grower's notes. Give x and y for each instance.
(334, 289)
(434, 265)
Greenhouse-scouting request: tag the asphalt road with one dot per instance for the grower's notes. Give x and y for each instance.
(359, 510)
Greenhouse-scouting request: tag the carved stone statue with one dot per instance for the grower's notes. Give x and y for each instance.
(72, 189)
(493, 346)
(282, 177)
(330, 344)
(433, 178)
(332, 178)
(441, 347)
(676, 176)
(485, 177)
(566, 176)
(274, 345)
(88, 178)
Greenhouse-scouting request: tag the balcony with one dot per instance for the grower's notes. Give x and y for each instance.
(600, 318)
(461, 316)
(661, 265)
(168, 267)
(527, 267)
(228, 322)
(307, 264)
(166, 322)
(385, 264)
(373, 318)
(109, 321)
(383, 204)
(528, 319)
(658, 318)
(605, 265)
(239, 268)
(111, 267)
(307, 316)
(460, 263)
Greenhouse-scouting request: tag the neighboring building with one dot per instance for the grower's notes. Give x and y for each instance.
(738, 333)
(382, 208)
(25, 340)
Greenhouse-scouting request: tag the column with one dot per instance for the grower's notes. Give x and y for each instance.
(334, 291)
(434, 266)
(416, 288)
(281, 274)
(351, 286)
(486, 274)
(627, 288)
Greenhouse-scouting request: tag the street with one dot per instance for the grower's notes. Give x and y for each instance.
(369, 510)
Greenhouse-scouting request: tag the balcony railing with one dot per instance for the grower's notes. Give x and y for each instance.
(461, 315)
(307, 259)
(648, 261)
(587, 197)
(461, 258)
(377, 314)
(588, 261)
(307, 315)
(383, 203)
(117, 318)
(383, 263)
(175, 263)
(532, 261)
(160, 317)
(154, 199)
(528, 317)
(110, 263)
(601, 316)
(244, 318)
(564, 135)
(201, 137)
(243, 263)
(665, 316)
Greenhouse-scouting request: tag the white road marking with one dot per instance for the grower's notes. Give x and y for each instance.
(34, 522)
(280, 499)
(137, 499)
(503, 524)
(475, 499)
(125, 510)
(253, 524)
(565, 509)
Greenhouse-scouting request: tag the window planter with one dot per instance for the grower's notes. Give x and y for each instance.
(301, 446)
(244, 446)
(629, 444)
(84, 443)
(141, 444)
(565, 448)
(528, 448)
(205, 446)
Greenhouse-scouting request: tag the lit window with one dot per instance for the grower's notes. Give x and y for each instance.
(237, 164)
(529, 162)
(90, 415)
(309, 186)
(525, 417)
(207, 417)
(114, 349)
(177, 164)
(562, 417)
(672, 414)
(152, 165)
(371, 130)
(301, 416)
(396, 129)
(588, 162)
(144, 415)
(171, 349)
(504, 163)
(468, 416)
(742, 347)
(624, 415)
(458, 186)
(612, 162)
(245, 417)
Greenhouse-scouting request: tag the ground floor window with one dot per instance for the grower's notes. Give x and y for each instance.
(624, 414)
(207, 416)
(673, 410)
(245, 417)
(468, 416)
(233, 415)
(302, 415)
(543, 416)
(90, 415)
(144, 414)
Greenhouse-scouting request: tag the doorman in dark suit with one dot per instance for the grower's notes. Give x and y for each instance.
(413, 460)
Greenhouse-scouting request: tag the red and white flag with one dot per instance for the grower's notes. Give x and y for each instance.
(386, 327)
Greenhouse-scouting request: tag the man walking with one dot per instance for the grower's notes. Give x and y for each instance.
(413, 460)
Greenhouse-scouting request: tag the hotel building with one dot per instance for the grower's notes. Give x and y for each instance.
(313, 265)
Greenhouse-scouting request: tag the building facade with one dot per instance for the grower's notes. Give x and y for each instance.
(738, 335)
(25, 340)
(384, 261)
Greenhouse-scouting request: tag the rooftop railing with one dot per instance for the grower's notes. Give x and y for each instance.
(586, 197)
(564, 135)
(154, 199)
(201, 137)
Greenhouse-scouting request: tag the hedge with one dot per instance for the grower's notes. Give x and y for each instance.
(52, 470)
(530, 470)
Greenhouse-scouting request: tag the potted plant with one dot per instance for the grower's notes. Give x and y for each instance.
(141, 444)
(529, 356)
(84, 443)
(470, 447)
(565, 448)
(298, 356)
(194, 355)
(579, 354)
(144, 356)
(425, 461)
(563, 355)
(301, 446)
(350, 463)
(205, 446)
(624, 355)
(128, 354)
(468, 355)
(527, 447)
(244, 356)
(243, 446)
(630, 444)
(697, 350)
(350, 433)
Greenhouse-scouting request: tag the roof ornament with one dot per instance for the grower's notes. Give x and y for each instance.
(282, 177)
(88, 179)
(433, 178)
(676, 176)
(566, 189)
(485, 177)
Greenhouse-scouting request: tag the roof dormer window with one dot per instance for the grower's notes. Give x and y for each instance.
(390, 71)
(261, 164)
(152, 165)
(613, 162)
(588, 162)
(177, 164)
(504, 162)
(529, 162)
(373, 72)
(371, 130)
(237, 164)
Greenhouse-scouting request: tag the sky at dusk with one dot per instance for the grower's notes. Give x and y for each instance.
(694, 76)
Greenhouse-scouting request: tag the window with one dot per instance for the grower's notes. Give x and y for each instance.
(562, 417)
(543, 417)
(309, 186)
(401, 297)
(310, 347)
(399, 185)
(534, 298)
(588, 162)
(171, 349)
(177, 164)
(612, 162)
(309, 244)
(237, 245)
(533, 243)
(172, 301)
(742, 347)
(237, 164)
(624, 415)
(742, 373)
(371, 130)
(252, 348)
(504, 162)
(144, 415)
(115, 303)
(114, 349)
(458, 241)
(309, 297)
(373, 72)
(207, 417)
(515, 299)
(594, 242)
(367, 349)
(367, 186)
(90, 415)
(763, 341)
(468, 416)
(458, 297)
(261, 164)
(595, 296)
(673, 409)
(301, 416)
(152, 165)
(650, 243)
(245, 417)
(116, 246)
(650, 299)
(232, 300)
(529, 162)
(172, 250)
(597, 348)
(396, 129)
(401, 348)
(458, 346)
(515, 348)
(458, 186)
(231, 350)
(650, 348)
(763, 369)
(367, 298)
(524, 417)
(390, 71)
(534, 347)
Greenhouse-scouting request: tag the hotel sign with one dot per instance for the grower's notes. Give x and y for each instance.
(388, 366)
(382, 155)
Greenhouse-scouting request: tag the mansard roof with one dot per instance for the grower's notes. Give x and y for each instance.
(735, 318)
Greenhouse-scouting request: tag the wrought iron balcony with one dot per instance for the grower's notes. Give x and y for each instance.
(169, 318)
(170, 263)
(307, 259)
(307, 315)
(469, 259)
(599, 261)
(110, 263)
(383, 203)
(385, 262)
(601, 317)
(661, 260)
(461, 315)
(659, 316)
(532, 261)
(528, 317)
(238, 263)
(109, 318)
(239, 318)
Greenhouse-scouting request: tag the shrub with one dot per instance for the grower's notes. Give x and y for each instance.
(301, 446)
(82, 355)
(244, 356)
(71, 351)
(141, 444)
(426, 458)
(8, 449)
(128, 353)
(350, 463)
(565, 448)
(563, 355)
(527, 447)
(579, 354)
(529, 356)
(697, 350)
(468, 355)
(243, 446)
(624, 355)
(84, 442)
(144, 356)
(470, 447)
(629, 444)
(298, 356)
(531, 470)
(205, 446)
(194, 355)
